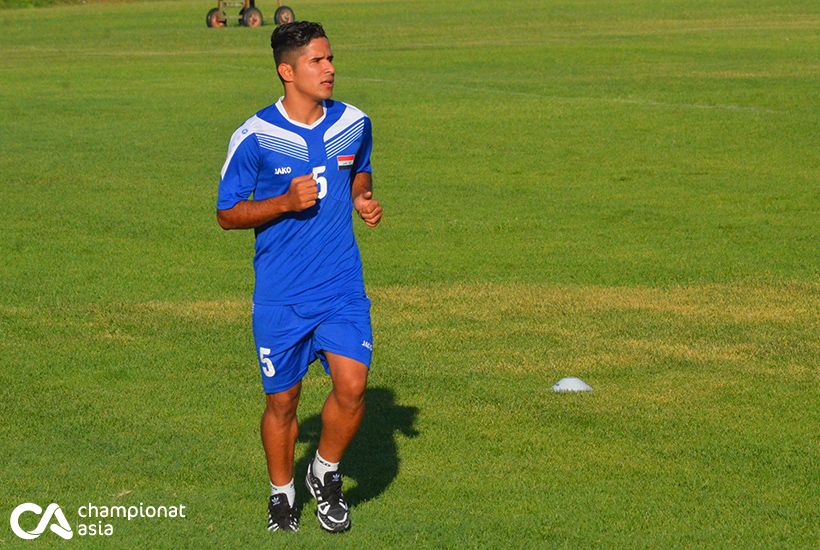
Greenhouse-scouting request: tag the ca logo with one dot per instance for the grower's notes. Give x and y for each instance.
(61, 528)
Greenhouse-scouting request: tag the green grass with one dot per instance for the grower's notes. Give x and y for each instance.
(622, 191)
(49, 3)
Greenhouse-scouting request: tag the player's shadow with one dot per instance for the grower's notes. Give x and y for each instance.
(372, 459)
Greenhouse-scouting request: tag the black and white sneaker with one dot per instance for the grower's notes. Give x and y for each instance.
(331, 508)
(281, 517)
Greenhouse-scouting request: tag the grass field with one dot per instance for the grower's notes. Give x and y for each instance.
(621, 191)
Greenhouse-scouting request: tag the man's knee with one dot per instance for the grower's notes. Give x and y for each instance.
(350, 391)
(349, 381)
(282, 406)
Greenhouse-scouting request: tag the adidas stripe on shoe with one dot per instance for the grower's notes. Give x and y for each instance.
(281, 517)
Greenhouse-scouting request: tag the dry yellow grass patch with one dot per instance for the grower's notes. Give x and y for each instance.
(708, 352)
(221, 310)
(786, 303)
(584, 329)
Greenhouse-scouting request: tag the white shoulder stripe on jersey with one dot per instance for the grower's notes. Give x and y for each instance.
(273, 142)
(241, 134)
(275, 139)
(281, 146)
(343, 143)
(275, 131)
(350, 115)
(256, 125)
(344, 140)
(297, 156)
(356, 128)
(277, 148)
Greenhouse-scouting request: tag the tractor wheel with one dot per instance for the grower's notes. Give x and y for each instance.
(283, 15)
(212, 19)
(252, 17)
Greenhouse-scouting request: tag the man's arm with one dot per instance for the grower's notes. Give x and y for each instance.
(369, 209)
(301, 195)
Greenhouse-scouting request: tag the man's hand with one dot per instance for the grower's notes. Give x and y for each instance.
(369, 209)
(302, 194)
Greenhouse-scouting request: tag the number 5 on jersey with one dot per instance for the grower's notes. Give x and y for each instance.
(321, 181)
(267, 364)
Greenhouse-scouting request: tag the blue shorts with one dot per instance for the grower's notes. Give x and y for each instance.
(289, 338)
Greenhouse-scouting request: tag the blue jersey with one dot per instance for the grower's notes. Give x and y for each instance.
(309, 255)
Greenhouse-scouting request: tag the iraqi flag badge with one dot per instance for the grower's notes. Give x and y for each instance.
(345, 161)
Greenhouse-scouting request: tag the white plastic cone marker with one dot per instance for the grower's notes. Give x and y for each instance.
(571, 384)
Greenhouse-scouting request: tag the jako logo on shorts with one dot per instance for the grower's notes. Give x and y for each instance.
(61, 528)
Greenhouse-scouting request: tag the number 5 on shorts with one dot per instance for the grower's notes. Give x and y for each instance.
(267, 368)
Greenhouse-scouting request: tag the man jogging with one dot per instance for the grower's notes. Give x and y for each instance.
(305, 160)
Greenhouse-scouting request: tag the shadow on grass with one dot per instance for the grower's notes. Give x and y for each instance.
(372, 458)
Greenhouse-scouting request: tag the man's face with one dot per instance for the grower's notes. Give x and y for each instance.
(313, 72)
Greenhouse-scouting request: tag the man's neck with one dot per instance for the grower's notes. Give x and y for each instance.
(303, 110)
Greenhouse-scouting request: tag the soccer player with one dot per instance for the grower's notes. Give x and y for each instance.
(306, 162)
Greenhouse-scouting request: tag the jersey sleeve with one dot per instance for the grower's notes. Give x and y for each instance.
(240, 172)
(362, 163)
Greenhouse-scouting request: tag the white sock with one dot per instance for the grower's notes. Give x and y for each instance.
(289, 490)
(322, 466)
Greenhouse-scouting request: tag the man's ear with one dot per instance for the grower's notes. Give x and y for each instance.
(285, 70)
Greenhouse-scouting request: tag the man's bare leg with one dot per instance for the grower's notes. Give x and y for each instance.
(279, 429)
(341, 417)
(344, 408)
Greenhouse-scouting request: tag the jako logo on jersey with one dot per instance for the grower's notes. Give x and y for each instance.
(61, 528)
(345, 161)
(281, 170)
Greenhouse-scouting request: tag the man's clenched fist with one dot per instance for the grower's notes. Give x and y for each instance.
(369, 209)
(303, 193)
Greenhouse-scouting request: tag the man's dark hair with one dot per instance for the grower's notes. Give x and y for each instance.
(293, 36)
